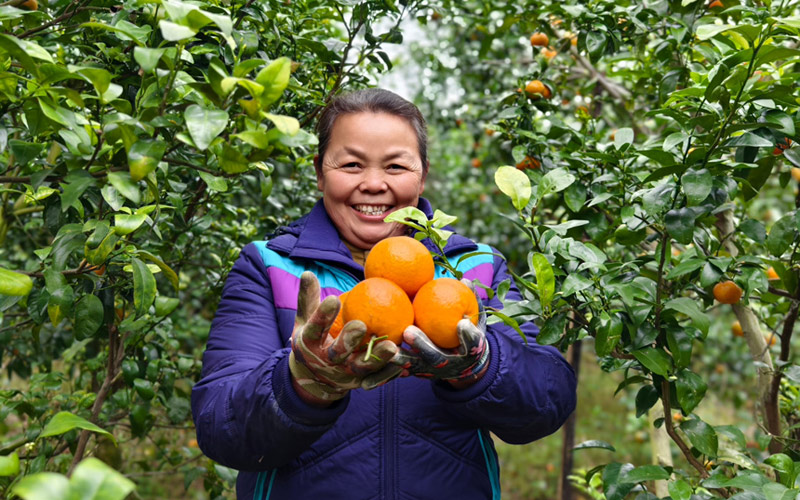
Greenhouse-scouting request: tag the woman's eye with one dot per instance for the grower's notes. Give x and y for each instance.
(352, 164)
(397, 167)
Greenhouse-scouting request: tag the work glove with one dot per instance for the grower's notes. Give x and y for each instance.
(327, 368)
(461, 366)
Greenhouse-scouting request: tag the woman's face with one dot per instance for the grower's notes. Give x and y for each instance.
(370, 169)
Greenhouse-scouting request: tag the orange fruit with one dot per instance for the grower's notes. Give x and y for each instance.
(438, 307)
(574, 41)
(548, 53)
(772, 274)
(30, 5)
(736, 328)
(727, 292)
(382, 305)
(476, 163)
(402, 260)
(528, 162)
(193, 443)
(796, 174)
(771, 339)
(539, 40)
(338, 323)
(489, 132)
(535, 87)
(715, 4)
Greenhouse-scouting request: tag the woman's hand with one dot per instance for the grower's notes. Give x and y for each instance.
(462, 366)
(324, 369)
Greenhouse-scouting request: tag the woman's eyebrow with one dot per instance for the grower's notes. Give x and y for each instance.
(388, 156)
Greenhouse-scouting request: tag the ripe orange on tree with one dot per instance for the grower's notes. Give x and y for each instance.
(736, 328)
(536, 87)
(780, 147)
(539, 40)
(771, 339)
(29, 5)
(772, 274)
(796, 174)
(476, 163)
(715, 4)
(438, 307)
(382, 305)
(727, 292)
(528, 162)
(402, 260)
(549, 53)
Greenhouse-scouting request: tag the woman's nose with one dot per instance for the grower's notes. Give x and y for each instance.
(373, 180)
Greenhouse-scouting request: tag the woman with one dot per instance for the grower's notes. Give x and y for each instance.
(290, 408)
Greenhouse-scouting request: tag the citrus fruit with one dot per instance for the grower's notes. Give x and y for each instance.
(771, 339)
(528, 162)
(539, 40)
(476, 163)
(715, 4)
(438, 307)
(536, 87)
(796, 174)
(772, 274)
(727, 292)
(338, 323)
(548, 53)
(382, 305)
(736, 328)
(402, 260)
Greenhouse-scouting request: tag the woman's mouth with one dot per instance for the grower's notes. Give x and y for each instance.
(372, 210)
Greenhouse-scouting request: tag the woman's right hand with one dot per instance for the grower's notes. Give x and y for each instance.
(324, 369)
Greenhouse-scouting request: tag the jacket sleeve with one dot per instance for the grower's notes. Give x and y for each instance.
(246, 413)
(528, 391)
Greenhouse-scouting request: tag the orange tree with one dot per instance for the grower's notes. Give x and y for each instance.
(142, 143)
(669, 126)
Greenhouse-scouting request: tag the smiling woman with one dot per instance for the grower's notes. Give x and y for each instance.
(362, 180)
(302, 414)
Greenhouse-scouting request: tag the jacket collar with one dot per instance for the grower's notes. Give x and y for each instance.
(314, 237)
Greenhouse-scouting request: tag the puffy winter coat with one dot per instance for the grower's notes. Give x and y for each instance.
(410, 439)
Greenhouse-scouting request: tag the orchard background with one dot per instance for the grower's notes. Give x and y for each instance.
(143, 143)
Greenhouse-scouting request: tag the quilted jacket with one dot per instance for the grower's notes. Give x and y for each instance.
(409, 439)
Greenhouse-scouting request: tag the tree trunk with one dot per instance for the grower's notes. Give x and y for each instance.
(564, 486)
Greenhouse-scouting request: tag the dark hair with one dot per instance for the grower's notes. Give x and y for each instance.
(374, 101)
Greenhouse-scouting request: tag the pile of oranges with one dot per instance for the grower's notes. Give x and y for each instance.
(400, 290)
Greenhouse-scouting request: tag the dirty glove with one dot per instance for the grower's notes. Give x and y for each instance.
(461, 366)
(324, 369)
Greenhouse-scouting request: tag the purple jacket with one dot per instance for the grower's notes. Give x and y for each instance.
(409, 439)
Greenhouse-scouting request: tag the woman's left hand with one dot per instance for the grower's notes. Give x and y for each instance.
(462, 366)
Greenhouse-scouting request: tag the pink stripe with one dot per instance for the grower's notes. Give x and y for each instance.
(285, 287)
(484, 274)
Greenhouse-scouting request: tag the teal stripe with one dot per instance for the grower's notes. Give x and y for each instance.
(271, 480)
(327, 275)
(262, 476)
(259, 486)
(491, 466)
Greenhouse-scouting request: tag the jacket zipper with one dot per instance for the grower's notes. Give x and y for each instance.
(388, 443)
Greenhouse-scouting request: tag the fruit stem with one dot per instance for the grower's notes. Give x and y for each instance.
(369, 347)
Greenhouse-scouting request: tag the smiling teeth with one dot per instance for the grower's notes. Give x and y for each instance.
(371, 209)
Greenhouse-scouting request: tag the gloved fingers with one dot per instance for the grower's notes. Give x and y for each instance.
(424, 347)
(363, 365)
(348, 340)
(380, 377)
(320, 320)
(469, 336)
(411, 364)
(307, 297)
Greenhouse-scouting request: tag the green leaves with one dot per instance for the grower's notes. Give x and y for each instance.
(88, 316)
(65, 421)
(91, 480)
(680, 224)
(545, 279)
(143, 157)
(274, 78)
(16, 284)
(515, 185)
(204, 125)
(701, 435)
(144, 287)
